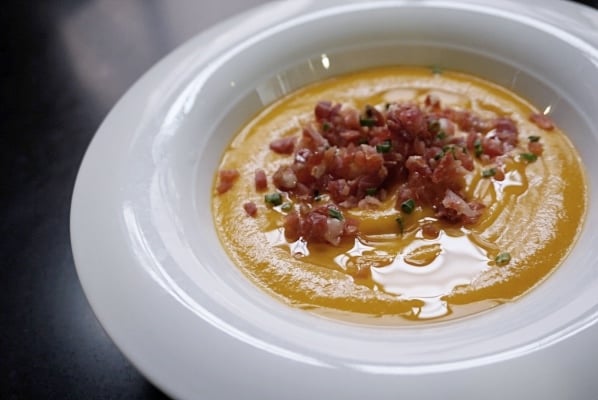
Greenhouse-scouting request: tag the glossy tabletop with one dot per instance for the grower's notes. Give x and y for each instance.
(63, 66)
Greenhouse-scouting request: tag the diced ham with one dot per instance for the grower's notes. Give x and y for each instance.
(456, 209)
(334, 231)
(455, 202)
(261, 180)
(312, 139)
(535, 148)
(417, 164)
(379, 134)
(463, 119)
(350, 136)
(430, 230)
(408, 121)
(314, 226)
(432, 101)
(285, 145)
(250, 208)
(543, 121)
(319, 225)
(493, 146)
(292, 226)
(351, 119)
(499, 174)
(423, 152)
(326, 110)
(284, 178)
(339, 189)
(227, 178)
(354, 161)
(507, 127)
(369, 202)
(449, 172)
(447, 126)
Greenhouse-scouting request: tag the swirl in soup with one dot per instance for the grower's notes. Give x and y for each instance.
(400, 193)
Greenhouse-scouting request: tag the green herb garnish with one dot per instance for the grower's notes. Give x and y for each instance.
(384, 147)
(326, 126)
(286, 206)
(371, 191)
(336, 214)
(274, 199)
(487, 173)
(434, 127)
(534, 138)
(502, 258)
(401, 224)
(408, 206)
(449, 148)
(477, 147)
(529, 157)
(367, 122)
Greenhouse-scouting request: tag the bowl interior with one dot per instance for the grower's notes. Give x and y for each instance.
(547, 66)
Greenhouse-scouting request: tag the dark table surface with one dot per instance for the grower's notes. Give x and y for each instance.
(63, 65)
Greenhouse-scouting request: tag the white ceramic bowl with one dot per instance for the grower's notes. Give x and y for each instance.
(163, 287)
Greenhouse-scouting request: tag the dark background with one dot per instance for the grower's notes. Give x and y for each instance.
(63, 65)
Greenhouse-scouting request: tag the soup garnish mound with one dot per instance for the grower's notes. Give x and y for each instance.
(401, 194)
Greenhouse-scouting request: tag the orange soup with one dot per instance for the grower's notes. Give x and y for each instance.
(399, 194)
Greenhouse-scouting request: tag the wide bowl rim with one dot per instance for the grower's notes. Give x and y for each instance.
(81, 250)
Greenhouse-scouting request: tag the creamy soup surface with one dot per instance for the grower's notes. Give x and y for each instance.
(401, 258)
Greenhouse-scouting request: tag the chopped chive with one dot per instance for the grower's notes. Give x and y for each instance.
(383, 147)
(534, 138)
(434, 126)
(408, 206)
(487, 173)
(336, 214)
(367, 122)
(371, 191)
(326, 126)
(449, 148)
(401, 225)
(441, 135)
(477, 147)
(436, 69)
(286, 206)
(386, 106)
(529, 157)
(502, 258)
(274, 199)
